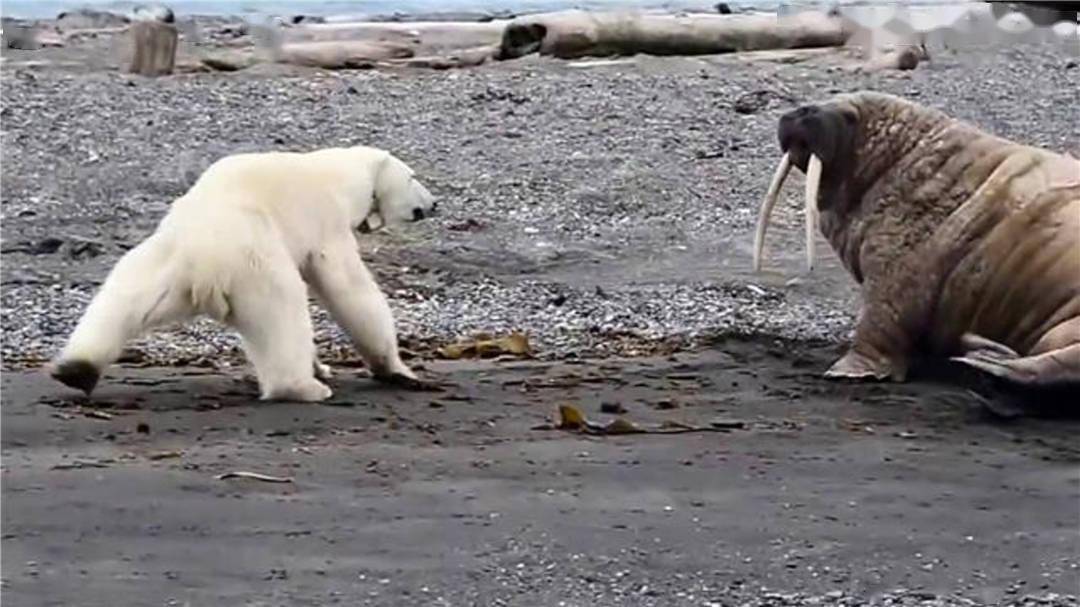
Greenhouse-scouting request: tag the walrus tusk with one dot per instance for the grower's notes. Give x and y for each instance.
(767, 205)
(813, 183)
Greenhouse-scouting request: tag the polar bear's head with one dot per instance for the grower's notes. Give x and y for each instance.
(398, 196)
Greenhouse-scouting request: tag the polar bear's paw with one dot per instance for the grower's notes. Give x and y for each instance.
(407, 382)
(323, 371)
(78, 374)
(309, 392)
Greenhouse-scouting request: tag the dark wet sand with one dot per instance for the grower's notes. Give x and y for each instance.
(454, 498)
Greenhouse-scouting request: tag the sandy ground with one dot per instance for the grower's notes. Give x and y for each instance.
(829, 494)
(605, 210)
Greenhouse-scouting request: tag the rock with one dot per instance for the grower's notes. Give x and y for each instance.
(723, 8)
(612, 408)
(752, 102)
(229, 61)
(902, 58)
(45, 246)
(305, 19)
(153, 12)
(85, 249)
(468, 225)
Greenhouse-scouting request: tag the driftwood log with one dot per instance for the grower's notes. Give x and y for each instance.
(568, 34)
(436, 35)
(154, 48)
(341, 54)
(470, 57)
(575, 34)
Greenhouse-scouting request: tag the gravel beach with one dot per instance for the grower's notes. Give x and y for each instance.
(600, 209)
(605, 209)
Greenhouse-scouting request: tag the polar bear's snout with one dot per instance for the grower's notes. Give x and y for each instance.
(399, 195)
(422, 202)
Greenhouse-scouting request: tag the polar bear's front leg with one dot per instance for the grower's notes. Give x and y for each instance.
(354, 300)
(269, 309)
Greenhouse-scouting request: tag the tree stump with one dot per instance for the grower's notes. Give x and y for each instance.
(154, 48)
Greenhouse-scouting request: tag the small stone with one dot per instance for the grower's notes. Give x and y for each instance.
(752, 102)
(612, 408)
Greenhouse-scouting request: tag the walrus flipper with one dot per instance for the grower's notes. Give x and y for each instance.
(868, 358)
(856, 365)
(880, 347)
(1056, 369)
(980, 347)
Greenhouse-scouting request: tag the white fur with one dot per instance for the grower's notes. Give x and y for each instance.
(242, 246)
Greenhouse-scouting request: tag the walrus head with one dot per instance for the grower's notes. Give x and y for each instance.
(820, 140)
(843, 146)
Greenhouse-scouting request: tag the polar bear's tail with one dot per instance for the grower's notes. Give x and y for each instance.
(141, 292)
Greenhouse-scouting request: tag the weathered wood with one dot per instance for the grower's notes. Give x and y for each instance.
(471, 57)
(427, 38)
(343, 54)
(154, 45)
(573, 34)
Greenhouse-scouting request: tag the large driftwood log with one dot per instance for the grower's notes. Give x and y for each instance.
(431, 37)
(343, 54)
(573, 34)
(154, 48)
(470, 57)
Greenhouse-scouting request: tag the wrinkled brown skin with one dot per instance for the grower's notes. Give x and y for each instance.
(965, 245)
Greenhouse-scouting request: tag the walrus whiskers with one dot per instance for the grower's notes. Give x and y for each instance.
(813, 184)
(767, 205)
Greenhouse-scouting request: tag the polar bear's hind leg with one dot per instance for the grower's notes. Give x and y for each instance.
(139, 294)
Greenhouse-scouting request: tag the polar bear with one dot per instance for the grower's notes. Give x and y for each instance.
(241, 247)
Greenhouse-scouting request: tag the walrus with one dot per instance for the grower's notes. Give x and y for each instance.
(966, 246)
